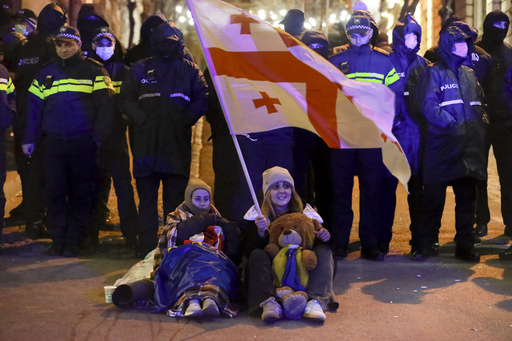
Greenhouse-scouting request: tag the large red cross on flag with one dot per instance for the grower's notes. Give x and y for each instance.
(266, 80)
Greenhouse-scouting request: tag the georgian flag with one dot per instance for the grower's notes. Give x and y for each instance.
(266, 79)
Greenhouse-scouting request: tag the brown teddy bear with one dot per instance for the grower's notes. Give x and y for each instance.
(291, 239)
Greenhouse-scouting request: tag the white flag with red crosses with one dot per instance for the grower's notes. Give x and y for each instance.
(266, 79)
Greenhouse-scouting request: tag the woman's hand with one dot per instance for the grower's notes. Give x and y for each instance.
(261, 223)
(323, 235)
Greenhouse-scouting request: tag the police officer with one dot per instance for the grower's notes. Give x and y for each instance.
(452, 103)
(7, 110)
(406, 127)
(114, 156)
(163, 97)
(71, 106)
(363, 63)
(39, 50)
(498, 93)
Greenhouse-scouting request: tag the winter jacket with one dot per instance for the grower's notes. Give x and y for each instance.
(163, 99)
(498, 92)
(70, 98)
(409, 67)
(479, 60)
(451, 99)
(39, 50)
(366, 64)
(7, 100)
(117, 71)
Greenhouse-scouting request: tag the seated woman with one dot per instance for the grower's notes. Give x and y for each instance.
(193, 279)
(280, 199)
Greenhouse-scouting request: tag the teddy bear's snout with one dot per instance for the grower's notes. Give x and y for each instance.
(287, 232)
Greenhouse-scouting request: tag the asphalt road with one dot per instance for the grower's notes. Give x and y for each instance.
(45, 298)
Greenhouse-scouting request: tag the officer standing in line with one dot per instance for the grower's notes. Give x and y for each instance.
(114, 155)
(498, 94)
(71, 106)
(163, 97)
(363, 63)
(39, 50)
(452, 102)
(7, 110)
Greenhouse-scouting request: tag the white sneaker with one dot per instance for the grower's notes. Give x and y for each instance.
(194, 309)
(314, 311)
(271, 310)
(210, 307)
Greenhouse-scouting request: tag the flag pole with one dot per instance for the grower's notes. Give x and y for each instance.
(215, 80)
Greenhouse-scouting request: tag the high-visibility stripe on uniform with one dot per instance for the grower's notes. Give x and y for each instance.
(71, 85)
(475, 103)
(375, 77)
(391, 77)
(103, 82)
(154, 94)
(178, 94)
(36, 89)
(6, 85)
(117, 86)
(455, 101)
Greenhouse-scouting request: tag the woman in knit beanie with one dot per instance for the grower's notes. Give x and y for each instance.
(280, 198)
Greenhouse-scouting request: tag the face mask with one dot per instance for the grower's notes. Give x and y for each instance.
(169, 49)
(105, 52)
(411, 41)
(460, 49)
(20, 29)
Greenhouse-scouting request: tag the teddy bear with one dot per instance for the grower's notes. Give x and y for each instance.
(291, 239)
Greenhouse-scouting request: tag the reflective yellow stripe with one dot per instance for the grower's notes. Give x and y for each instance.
(391, 77)
(371, 80)
(68, 85)
(117, 86)
(36, 89)
(103, 82)
(6, 85)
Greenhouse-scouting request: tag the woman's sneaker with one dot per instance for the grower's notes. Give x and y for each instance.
(314, 311)
(194, 309)
(271, 310)
(210, 307)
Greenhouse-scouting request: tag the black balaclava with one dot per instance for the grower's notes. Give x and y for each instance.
(493, 37)
(51, 18)
(165, 43)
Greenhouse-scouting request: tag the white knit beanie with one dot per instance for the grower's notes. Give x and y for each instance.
(276, 174)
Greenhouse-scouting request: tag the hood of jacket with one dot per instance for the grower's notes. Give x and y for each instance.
(51, 18)
(402, 28)
(447, 39)
(149, 25)
(317, 41)
(493, 36)
(89, 20)
(163, 32)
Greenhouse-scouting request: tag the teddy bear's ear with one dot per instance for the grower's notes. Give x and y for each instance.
(317, 225)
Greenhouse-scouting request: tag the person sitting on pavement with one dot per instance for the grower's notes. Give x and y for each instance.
(280, 199)
(196, 220)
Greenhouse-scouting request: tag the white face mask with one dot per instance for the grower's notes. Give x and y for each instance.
(105, 52)
(411, 41)
(20, 29)
(460, 49)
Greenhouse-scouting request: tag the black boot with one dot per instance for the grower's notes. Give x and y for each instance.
(466, 254)
(481, 230)
(507, 254)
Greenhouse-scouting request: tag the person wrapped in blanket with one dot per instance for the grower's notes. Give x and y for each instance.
(195, 270)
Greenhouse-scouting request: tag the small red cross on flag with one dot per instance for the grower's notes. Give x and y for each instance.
(259, 70)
